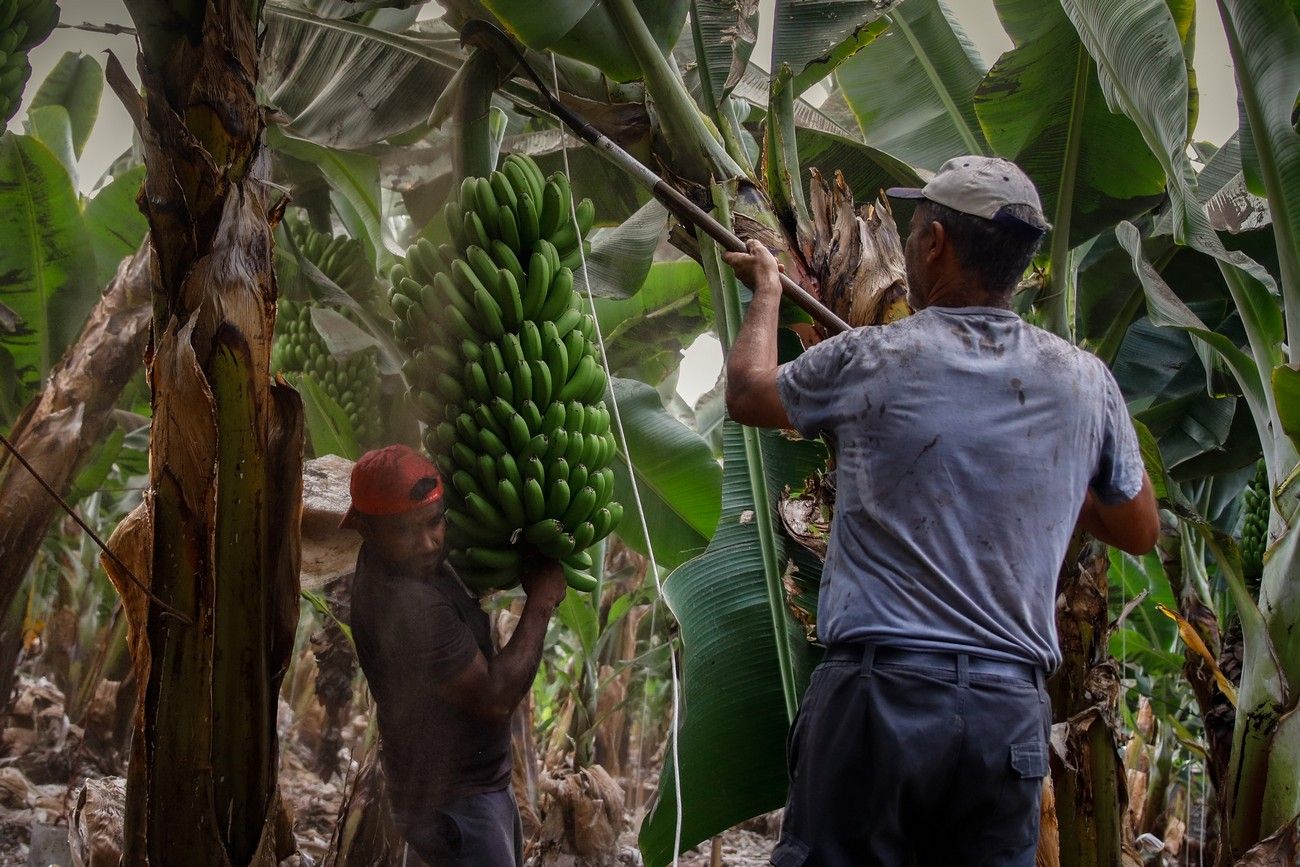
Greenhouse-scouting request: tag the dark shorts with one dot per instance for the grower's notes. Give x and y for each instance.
(474, 831)
(894, 762)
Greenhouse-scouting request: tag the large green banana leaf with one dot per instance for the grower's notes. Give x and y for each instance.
(1042, 106)
(1264, 39)
(349, 85)
(115, 223)
(647, 332)
(584, 29)
(1142, 70)
(47, 263)
(733, 725)
(677, 476)
(911, 89)
(76, 83)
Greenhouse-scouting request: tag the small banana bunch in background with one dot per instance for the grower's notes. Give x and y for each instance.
(503, 371)
(23, 25)
(353, 382)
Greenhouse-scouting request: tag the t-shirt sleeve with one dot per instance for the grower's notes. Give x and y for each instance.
(1119, 472)
(441, 645)
(811, 387)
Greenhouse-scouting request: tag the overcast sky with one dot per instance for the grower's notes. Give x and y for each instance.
(112, 135)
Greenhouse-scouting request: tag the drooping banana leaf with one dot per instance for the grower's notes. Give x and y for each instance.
(732, 731)
(677, 476)
(47, 262)
(1042, 106)
(76, 83)
(911, 89)
(349, 85)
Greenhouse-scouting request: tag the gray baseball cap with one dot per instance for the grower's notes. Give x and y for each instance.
(982, 187)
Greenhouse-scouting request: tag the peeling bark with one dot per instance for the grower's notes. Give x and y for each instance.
(62, 425)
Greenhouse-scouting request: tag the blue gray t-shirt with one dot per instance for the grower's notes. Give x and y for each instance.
(965, 440)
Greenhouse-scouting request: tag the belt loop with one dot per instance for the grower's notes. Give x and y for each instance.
(1042, 683)
(868, 659)
(963, 670)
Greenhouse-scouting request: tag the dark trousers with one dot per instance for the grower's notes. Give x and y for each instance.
(475, 831)
(899, 758)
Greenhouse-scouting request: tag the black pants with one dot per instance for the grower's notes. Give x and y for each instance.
(474, 831)
(894, 762)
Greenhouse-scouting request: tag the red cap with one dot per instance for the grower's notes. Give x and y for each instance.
(387, 482)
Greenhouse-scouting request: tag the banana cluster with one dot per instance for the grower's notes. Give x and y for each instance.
(23, 25)
(503, 371)
(353, 382)
(1254, 529)
(340, 258)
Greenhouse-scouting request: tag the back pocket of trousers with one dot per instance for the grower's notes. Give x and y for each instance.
(1022, 789)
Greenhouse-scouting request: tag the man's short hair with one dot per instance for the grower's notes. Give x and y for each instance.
(995, 252)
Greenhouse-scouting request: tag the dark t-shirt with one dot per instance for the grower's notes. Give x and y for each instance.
(413, 632)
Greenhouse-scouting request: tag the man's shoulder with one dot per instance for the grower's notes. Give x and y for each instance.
(1055, 352)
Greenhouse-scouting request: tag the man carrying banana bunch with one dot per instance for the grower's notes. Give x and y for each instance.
(444, 696)
(968, 446)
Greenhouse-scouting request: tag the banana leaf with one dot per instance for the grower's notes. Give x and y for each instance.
(348, 85)
(115, 223)
(731, 734)
(1042, 106)
(677, 476)
(47, 261)
(51, 126)
(1264, 38)
(815, 38)
(76, 83)
(1142, 69)
(728, 31)
(911, 89)
(584, 29)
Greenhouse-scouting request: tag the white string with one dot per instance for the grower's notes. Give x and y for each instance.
(1187, 827)
(1205, 781)
(636, 490)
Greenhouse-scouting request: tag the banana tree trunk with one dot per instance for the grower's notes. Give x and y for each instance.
(219, 528)
(1091, 795)
(62, 425)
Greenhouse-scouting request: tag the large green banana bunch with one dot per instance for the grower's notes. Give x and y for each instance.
(353, 382)
(504, 372)
(1254, 528)
(23, 25)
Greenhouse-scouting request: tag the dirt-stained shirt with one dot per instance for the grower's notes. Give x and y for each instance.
(965, 440)
(413, 632)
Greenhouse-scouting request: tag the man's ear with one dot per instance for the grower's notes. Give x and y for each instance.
(938, 240)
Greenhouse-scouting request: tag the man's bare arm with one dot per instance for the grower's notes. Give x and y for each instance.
(493, 689)
(1133, 526)
(752, 396)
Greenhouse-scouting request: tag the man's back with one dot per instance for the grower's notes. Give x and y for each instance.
(965, 442)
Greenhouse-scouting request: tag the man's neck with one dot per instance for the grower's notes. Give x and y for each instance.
(963, 294)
